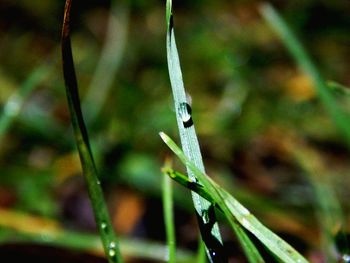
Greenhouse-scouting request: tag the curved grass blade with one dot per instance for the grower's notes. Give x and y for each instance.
(304, 61)
(338, 88)
(21, 227)
(248, 246)
(168, 212)
(108, 237)
(210, 235)
(234, 210)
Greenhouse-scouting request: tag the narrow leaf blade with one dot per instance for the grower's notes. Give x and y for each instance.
(236, 211)
(109, 240)
(303, 60)
(189, 141)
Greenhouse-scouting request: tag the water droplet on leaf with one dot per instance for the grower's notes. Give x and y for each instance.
(104, 225)
(185, 112)
(346, 258)
(112, 251)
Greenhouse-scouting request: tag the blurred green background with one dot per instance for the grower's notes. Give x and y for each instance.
(263, 132)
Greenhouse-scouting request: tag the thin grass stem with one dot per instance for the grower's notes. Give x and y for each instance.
(304, 61)
(109, 239)
(328, 209)
(168, 212)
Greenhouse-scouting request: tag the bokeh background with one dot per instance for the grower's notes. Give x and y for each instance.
(263, 132)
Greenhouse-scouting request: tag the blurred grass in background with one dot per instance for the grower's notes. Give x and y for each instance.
(254, 111)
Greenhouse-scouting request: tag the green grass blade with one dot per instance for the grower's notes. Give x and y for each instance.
(186, 182)
(20, 227)
(133, 248)
(109, 62)
(109, 239)
(303, 60)
(328, 208)
(248, 246)
(189, 141)
(250, 250)
(234, 210)
(168, 209)
(338, 88)
(201, 255)
(15, 102)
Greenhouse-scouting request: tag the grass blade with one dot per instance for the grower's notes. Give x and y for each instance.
(328, 209)
(201, 256)
(21, 227)
(15, 102)
(189, 141)
(109, 62)
(248, 246)
(234, 210)
(168, 209)
(108, 237)
(303, 60)
(338, 88)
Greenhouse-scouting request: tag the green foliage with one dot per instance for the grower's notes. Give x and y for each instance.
(16, 101)
(89, 242)
(249, 97)
(236, 212)
(109, 239)
(188, 137)
(304, 62)
(168, 213)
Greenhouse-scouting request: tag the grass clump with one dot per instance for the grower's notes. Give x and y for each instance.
(237, 215)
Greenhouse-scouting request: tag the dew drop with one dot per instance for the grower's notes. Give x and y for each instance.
(111, 250)
(346, 258)
(104, 225)
(185, 112)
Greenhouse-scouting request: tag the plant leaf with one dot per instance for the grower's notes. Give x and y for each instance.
(109, 240)
(304, 61)
(168, 212)
(189, 141)
(234, 210)
(248, 246)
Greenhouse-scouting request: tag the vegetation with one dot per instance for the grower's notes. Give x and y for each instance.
(271, 132)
